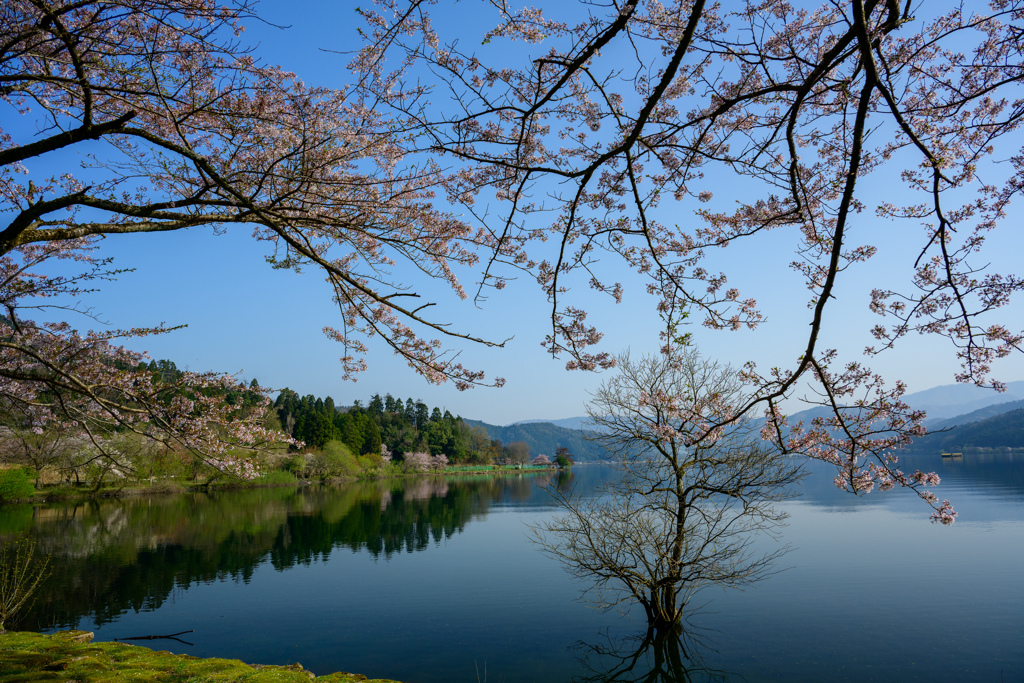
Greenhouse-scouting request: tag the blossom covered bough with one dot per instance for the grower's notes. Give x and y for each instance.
(53, 378)
(561, 142)
(590, 118)
(181, 127)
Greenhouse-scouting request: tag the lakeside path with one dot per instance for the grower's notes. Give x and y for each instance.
(72, 656)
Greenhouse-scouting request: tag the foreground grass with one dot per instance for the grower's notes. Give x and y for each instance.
(71, 656)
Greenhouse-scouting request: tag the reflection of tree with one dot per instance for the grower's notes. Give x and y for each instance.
(564, 480)
(665, 657)
(413, 518)
(516, 488)
(115, 556)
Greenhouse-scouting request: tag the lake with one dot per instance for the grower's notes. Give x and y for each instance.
(434, 579)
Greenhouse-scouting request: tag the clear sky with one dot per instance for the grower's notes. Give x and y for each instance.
(244, 317)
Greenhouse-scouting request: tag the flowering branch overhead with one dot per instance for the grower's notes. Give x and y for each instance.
(197, 132)
(182, 127)
(603, 112)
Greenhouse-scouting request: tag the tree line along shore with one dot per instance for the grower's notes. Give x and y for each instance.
(314, 440)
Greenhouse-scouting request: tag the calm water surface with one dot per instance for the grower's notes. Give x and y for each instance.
(435, 580)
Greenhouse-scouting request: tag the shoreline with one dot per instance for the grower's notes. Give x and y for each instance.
(64, 494)
(72, 656)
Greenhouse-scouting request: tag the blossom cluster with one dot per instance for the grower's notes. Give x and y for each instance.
(425, 462)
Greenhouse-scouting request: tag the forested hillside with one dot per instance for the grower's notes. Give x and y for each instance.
(411, 426)
(546, 438)
(998, 425)
(974, 416)
(1005, 430)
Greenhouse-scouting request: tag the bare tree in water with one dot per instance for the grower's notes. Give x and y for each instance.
(689, 503)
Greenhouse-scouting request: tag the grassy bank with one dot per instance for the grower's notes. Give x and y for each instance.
(71, 656)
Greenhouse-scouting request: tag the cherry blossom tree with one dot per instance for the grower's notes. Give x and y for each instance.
(595, 125)
(439, 462)
(180, 126)
(419, 461)
(422, 461)
(581, 133)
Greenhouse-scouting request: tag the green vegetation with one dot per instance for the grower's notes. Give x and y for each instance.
(15, 484)
(387, 437)
(399, 427)
(21, 572)
(544, 437)
(69, 454)
(394, 428)
(71, 656)
(276, 478)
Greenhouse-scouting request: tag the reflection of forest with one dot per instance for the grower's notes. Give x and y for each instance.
(114, 556)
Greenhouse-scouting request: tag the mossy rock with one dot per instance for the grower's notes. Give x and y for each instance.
(70, 656)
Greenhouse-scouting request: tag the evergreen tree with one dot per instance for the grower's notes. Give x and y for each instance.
(317, 430)
(352, 432)
(287, 405)
(439, 438)
(410, 426)
(371, 438)
(376, 407)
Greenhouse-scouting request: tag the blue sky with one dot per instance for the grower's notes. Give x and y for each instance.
(244, 317)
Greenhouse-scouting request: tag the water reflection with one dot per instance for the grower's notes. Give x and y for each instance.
(997, 476)
(249, 571)
(113, 556)
(651, 658)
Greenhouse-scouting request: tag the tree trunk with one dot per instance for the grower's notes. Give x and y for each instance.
(662, 614)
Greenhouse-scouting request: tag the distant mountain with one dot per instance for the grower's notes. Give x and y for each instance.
(996, 425)
(951, 400)
(577, 423)
(546, 438)
(973, 416)
(941, 403)
(948, 406)
(1005, 430)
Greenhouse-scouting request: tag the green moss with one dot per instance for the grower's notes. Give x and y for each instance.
(71, 656)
